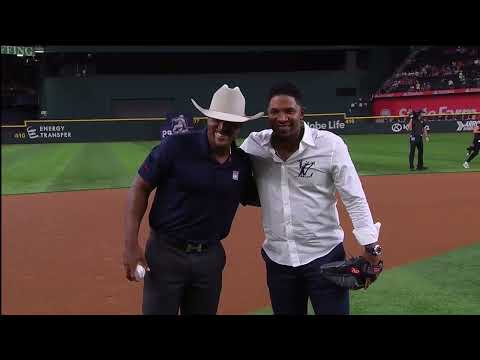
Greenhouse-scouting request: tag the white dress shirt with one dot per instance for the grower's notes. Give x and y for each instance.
(299, 213)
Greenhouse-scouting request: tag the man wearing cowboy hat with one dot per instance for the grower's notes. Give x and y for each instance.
(200, 178)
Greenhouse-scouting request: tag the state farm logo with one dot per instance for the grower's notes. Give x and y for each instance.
(397, 127)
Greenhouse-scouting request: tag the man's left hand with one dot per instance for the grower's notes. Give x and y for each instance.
(373, 260)
(355, 273)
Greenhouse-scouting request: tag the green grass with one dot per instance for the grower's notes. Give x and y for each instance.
(64, 167)
(442, 285)
(388, 154)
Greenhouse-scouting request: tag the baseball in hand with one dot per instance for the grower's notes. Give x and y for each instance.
(139, 272)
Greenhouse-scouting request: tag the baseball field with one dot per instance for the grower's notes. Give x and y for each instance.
(62, 230)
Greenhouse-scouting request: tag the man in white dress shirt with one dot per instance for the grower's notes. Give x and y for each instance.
(298, 171)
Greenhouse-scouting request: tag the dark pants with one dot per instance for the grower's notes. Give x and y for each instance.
(290, 287)
(416, 143)
(474, 149)
(189, 282)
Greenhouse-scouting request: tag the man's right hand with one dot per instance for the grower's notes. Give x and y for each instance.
(131, 258)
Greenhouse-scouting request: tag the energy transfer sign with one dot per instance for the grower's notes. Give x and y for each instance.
(47, 132)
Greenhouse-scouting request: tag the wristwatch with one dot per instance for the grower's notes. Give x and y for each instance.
(374, 249)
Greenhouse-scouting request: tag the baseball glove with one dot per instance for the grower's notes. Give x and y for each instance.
(355, 273)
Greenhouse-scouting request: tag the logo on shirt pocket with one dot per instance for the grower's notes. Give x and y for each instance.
(304, 168)
(235, 175)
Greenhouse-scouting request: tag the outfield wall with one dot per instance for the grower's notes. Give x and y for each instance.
(107, 130)
(342, 125)
(58, 131)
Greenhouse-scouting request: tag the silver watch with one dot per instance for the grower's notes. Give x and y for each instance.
(374, 249)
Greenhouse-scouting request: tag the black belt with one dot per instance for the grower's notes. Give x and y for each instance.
(190, 247)
(187, 247)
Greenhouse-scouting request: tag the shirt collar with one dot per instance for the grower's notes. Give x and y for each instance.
(307, 136)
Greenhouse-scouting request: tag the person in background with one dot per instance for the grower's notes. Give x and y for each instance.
(418, 132)
(474, 148)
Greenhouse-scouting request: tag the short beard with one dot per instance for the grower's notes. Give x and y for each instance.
(287, 139)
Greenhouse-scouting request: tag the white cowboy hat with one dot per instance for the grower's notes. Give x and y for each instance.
(228, 105)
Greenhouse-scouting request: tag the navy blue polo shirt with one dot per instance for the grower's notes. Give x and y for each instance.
(196, 197)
